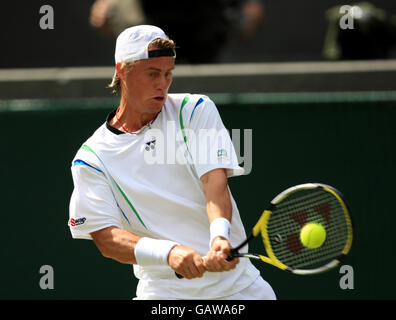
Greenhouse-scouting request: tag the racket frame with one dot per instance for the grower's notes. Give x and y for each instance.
(261, 227)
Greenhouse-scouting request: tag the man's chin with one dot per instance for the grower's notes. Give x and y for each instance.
(157, 105)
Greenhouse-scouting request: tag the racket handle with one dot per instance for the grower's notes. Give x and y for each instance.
(233, 254)
(179, 275)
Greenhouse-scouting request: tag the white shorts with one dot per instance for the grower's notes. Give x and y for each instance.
(258, 290)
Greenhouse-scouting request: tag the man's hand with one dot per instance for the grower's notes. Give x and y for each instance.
(186, 262)
(216, 258)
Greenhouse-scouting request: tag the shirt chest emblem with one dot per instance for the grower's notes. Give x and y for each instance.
(150, 144)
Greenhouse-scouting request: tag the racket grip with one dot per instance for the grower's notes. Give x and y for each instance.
(179, 275)
(233, 254)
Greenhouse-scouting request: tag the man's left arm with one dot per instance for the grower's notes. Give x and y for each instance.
(219, 210)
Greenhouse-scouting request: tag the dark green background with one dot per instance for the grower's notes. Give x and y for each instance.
(345, 144)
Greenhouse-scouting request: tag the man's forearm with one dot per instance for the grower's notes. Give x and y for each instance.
(120, 245)
(219, 210)
(117, 244)
(218, 200)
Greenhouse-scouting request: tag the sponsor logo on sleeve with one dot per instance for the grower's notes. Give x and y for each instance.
(77, 222)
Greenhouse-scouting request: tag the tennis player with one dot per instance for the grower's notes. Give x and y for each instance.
(162, 216)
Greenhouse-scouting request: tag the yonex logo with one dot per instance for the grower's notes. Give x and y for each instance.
(77, 222)
(150, 145)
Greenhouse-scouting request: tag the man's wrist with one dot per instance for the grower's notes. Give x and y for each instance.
(150, 251)
(219, 227)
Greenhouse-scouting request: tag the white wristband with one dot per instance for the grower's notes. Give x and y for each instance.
(149, 252)
(220, 227)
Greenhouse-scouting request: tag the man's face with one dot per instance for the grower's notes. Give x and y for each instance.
(147, 83)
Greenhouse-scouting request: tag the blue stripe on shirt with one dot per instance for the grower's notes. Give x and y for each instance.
(83, 163)
(196, 105)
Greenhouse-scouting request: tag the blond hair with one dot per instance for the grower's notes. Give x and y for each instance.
(159, 43)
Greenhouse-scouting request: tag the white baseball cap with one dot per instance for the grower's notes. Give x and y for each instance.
(132, 44)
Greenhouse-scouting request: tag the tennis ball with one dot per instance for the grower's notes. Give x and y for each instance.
(313, 235)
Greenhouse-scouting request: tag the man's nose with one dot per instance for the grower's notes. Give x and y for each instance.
(163, 82)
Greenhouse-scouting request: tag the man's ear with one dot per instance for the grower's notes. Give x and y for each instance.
(120, 72)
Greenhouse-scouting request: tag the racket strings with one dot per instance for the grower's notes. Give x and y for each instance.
(291, 214)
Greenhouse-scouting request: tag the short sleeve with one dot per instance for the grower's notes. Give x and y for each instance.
(92, 204)
(208, 141)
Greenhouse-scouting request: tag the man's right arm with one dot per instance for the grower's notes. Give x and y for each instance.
(120, 245)
(117, 244)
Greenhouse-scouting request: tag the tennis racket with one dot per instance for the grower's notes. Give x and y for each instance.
(280, 226)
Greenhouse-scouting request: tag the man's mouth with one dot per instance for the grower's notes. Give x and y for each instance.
(159, 98)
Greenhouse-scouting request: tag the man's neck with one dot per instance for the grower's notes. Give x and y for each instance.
(127, 119)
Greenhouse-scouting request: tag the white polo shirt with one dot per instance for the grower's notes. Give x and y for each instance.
(149, 184)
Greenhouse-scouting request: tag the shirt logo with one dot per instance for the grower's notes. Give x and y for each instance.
(222, 153)
(150, 145)
(77, 222)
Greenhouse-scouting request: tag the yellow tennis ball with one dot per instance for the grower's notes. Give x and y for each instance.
(313, 235)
